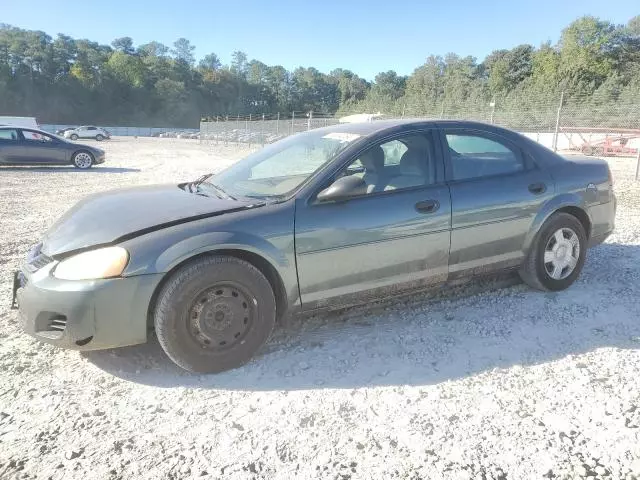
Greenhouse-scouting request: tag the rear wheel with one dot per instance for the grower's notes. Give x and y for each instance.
(599, 151)
(99, 137)
(557, 255)
(73, 136)
(82, 160)
(587, 150)
(214, 313)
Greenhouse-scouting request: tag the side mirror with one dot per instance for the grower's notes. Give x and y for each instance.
(343, 188)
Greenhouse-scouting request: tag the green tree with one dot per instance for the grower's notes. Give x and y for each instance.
(124, 45)
(239, 64)
(210, 62)
(183, 51)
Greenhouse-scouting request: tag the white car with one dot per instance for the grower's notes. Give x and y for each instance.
(87, 132)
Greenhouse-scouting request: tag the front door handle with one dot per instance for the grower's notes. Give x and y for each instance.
(537, 188)
(427, 206)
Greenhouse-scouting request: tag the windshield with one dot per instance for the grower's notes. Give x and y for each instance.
(280, 168)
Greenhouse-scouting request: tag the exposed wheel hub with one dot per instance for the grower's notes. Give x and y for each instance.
(220, 316)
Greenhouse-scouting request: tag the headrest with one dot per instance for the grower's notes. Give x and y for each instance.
(373, 159)
(411, 163)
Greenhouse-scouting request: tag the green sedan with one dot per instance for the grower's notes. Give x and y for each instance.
(332, 217)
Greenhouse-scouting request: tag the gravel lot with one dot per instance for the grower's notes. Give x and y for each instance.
(481, 383)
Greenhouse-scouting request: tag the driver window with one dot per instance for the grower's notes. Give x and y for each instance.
(405, 162)
(36, 137)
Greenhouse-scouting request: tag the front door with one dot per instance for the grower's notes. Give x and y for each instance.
(394, 237)
(496, 192)
(41, 148)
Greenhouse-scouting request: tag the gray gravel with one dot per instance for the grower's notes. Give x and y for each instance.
(479, 383)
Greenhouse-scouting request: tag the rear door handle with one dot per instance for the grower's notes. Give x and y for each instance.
(537, 188)
(427, 206)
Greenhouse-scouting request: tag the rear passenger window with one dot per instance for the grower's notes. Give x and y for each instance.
(474, 156)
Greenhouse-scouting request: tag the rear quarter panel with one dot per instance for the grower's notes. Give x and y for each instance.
(582, 183)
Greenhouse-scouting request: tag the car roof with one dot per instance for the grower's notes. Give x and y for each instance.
(375, 126)
(18, 127)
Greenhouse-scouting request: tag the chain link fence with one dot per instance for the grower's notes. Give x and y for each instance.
(590, 125)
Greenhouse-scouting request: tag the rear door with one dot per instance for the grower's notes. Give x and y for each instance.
(496, 192)
(89, 132)
(394, 237)
(12, 150)
(42, 148)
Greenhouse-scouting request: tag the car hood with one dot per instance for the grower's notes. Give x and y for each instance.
(118, 215)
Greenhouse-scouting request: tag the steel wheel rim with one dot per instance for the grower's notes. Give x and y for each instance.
(561, 253)
(83, 160)
(220, 316)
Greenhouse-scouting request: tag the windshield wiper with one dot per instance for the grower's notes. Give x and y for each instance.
(218, 190)
(197, 182)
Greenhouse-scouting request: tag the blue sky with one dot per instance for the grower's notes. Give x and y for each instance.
(364, 36)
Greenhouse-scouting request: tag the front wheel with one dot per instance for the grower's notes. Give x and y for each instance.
(73, 137)
(99, 137)
(214, 313)
(557, 255)
(82, 160)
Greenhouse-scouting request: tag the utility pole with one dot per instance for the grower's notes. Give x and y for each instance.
(555, 135)
(493, 108)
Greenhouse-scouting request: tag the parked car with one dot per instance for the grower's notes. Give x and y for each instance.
(60, 132)
(28, 146)
(96, 133)
(28, 122)
(331, 217)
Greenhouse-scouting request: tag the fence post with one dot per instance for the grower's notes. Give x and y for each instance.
(262, 130)
(404, 106)
(555, 135)
(493, 108)
(293, 118)
(309, 120)
(278, 124)
(638, 164)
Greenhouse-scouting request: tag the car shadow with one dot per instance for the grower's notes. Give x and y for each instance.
(487, 324)
(67, 169)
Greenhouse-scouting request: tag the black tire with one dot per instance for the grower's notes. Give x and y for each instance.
(73, 136)
(99, 137)
(82, 159)
(598, 151)
(534, 271)
(200, 351)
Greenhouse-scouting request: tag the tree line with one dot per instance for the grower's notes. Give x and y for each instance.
(67, 80)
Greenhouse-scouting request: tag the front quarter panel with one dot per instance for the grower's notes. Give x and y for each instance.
(266, 231)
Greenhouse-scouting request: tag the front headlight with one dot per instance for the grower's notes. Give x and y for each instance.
(101, 263)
